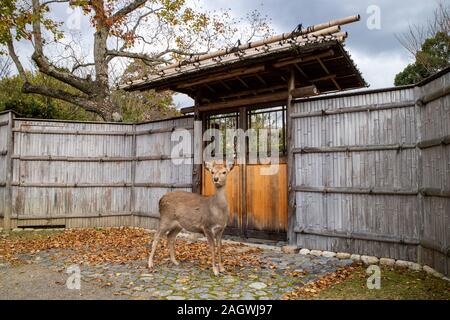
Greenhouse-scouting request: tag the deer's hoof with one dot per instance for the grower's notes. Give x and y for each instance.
(216, 272)
(150, 265)
(175, 262)
(222, 268)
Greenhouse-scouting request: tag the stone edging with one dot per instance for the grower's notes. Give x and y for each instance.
(368, 260)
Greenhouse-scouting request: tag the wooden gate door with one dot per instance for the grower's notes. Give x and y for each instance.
(257, 202)
(266, 203)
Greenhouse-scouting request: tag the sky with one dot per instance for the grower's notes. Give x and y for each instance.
(371, 42)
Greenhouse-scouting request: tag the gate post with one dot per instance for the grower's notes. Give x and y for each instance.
(198, 147)
(290, 163)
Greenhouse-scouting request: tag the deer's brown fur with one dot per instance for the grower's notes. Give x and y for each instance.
(196, 213)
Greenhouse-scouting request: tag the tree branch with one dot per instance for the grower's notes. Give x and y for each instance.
(128, 9)
(15, 58)
(141, 56)
(45, 66)
(59, 94)
(82, 65)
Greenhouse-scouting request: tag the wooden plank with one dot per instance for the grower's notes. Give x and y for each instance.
(363, 108)
(198, 145)
(99, 133)
(74, 132)
(358, 236)
(222, 76)
(356, 190)
(324, 78)
(290, 142)
(163, 185)
(70, 185)
(242, 160)
(133, 172)
(289, 61)
(77, 216)
(277, 96)
(429, 97)
(162, 130)
(434, 142)
(98, 159)
(359, 148)
(267, 199)
(9, 175)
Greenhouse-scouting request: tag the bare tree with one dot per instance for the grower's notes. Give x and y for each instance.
(416, 35)
(153, 31)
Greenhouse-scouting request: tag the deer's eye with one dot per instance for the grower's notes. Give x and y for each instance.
(224, 172)
(213, 172)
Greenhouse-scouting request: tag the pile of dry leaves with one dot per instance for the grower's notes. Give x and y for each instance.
(122, 245)
(313, 288)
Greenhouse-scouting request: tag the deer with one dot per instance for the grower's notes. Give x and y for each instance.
(196, 213)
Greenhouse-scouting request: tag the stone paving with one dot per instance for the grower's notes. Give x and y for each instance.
(278, 274)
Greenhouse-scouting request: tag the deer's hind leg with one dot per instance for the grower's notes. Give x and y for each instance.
(154, 246)
(164, 228)
(171, 243)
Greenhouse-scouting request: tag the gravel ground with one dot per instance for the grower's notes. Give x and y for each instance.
(35, 282)
(43, 275)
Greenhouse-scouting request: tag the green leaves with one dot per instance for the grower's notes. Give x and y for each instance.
(16, 17)
(433, 57)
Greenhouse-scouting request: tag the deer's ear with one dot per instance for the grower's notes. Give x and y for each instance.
(230, 165)
(209, 165)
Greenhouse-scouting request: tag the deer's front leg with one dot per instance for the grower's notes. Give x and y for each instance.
(219, 250)
(212, 247)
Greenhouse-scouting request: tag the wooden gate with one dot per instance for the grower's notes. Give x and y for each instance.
(257, 202)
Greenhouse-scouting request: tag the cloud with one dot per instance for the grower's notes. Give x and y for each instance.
(182, 100)
(379, 69)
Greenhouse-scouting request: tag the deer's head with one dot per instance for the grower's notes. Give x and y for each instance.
(219, 172)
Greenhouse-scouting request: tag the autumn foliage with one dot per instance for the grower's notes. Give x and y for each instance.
(122, 245)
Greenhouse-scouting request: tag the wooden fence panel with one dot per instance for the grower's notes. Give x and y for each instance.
(435, 173)
(353, 154)
(4, 118)
(71, 170)
(156, 171)
(372, 173)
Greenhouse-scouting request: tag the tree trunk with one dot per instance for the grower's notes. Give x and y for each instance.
(106, 107)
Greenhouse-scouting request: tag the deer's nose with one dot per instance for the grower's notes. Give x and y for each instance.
(216, 179)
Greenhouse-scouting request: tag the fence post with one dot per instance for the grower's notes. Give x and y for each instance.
(198, 147)
(9, 173)
(420, 201)
(292, 212)
(132, 206)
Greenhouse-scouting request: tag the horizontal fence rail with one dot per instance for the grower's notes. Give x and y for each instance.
(99, 133)
(99, 159)
(368, 108)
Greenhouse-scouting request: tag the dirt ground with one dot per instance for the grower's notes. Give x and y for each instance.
(33, 282)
